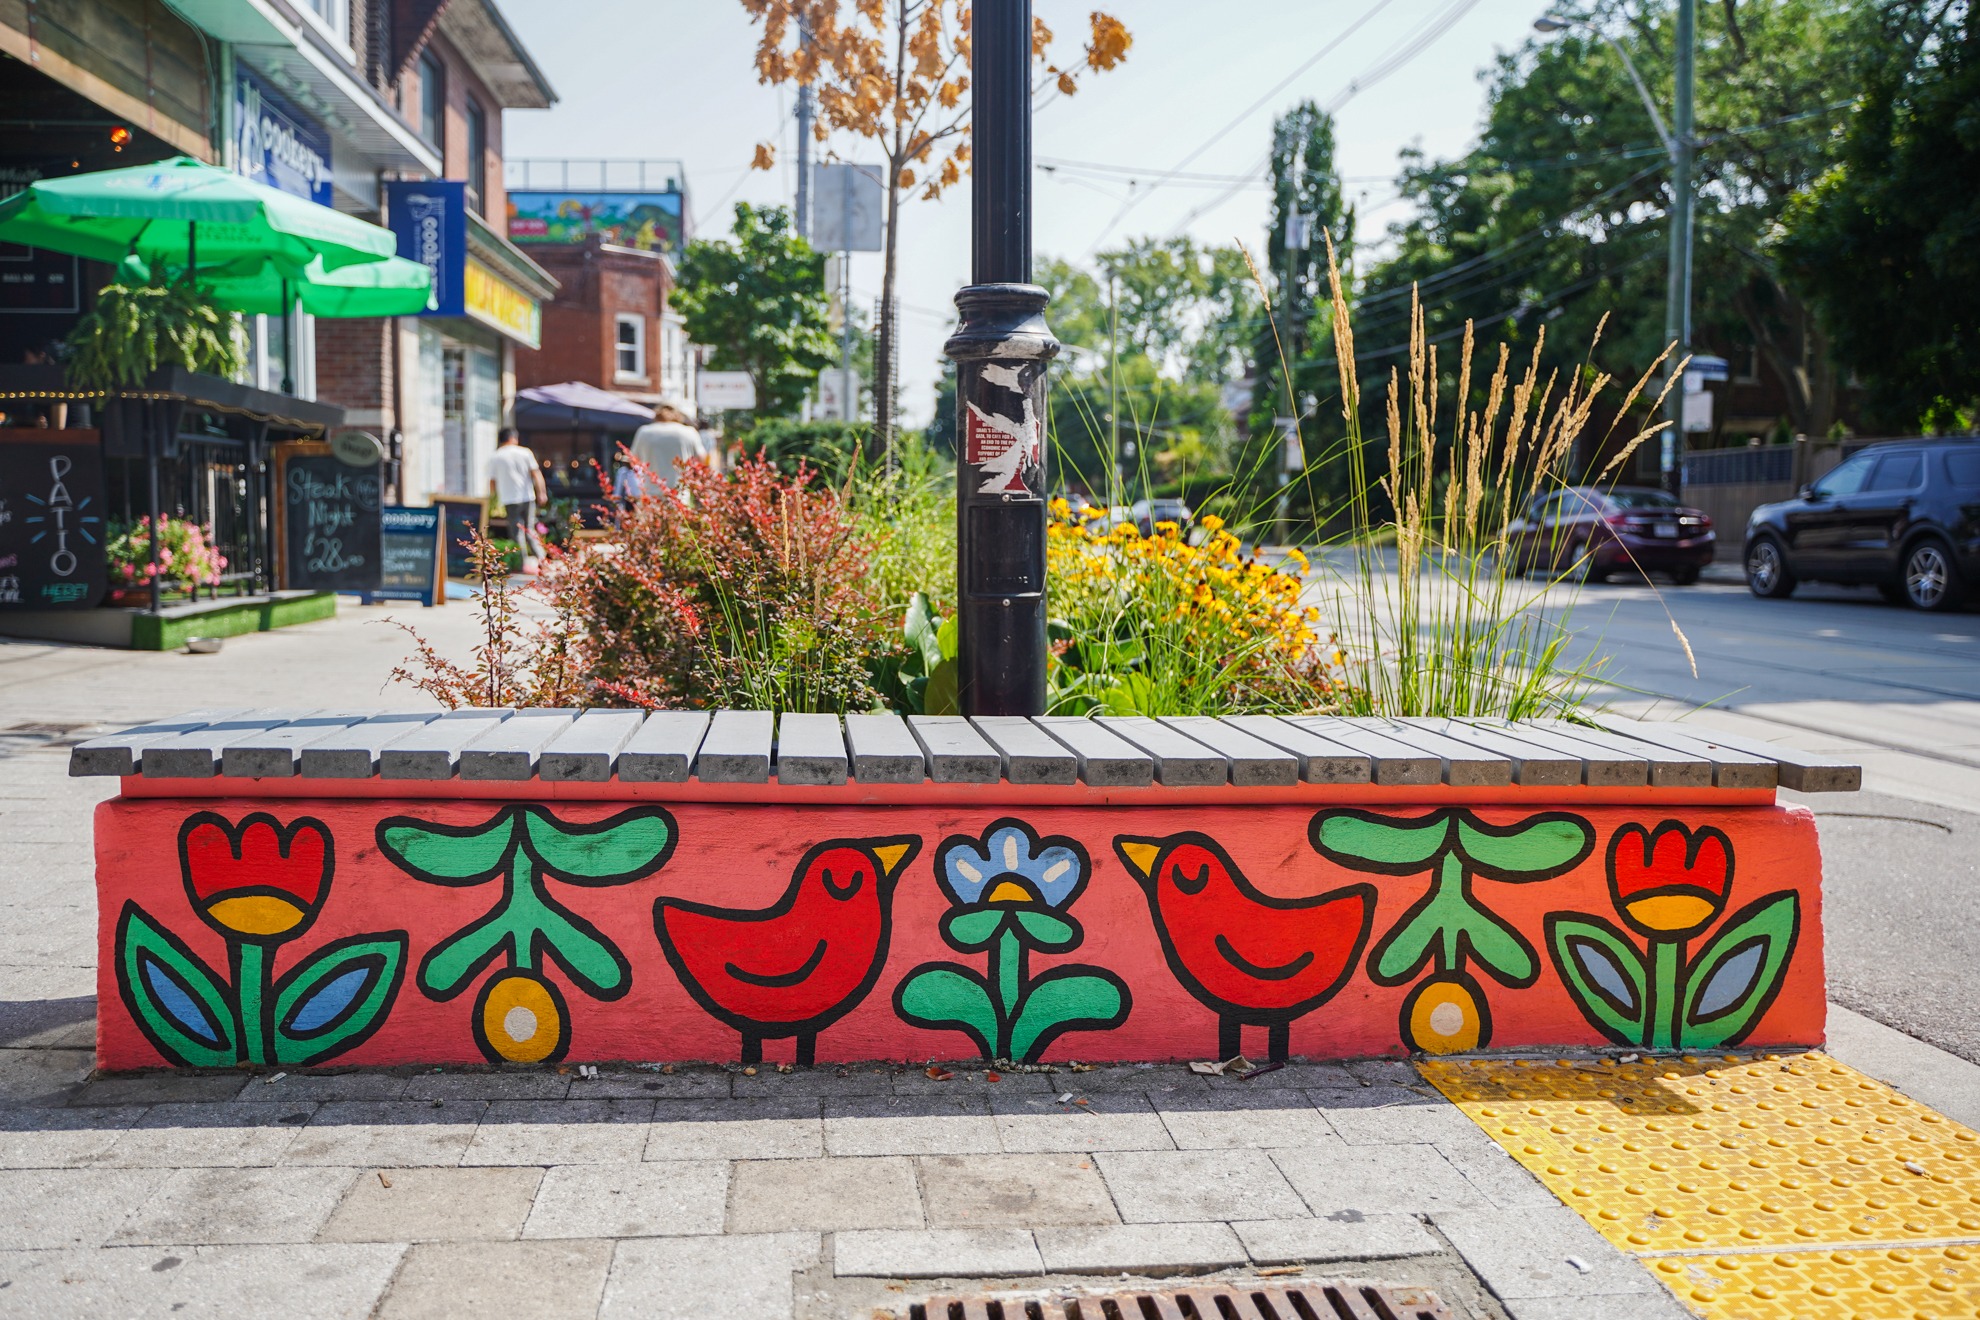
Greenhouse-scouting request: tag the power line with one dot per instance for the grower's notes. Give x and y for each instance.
(1246, 113)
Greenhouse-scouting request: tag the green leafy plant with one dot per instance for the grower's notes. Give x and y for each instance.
(137, 327)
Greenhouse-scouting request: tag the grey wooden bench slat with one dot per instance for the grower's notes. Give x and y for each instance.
(273, 753)
(122, 753)
(811, 749)
(1319, 761)
(1031, 756)
(589, 749)
(432, 751)
(1731, 767)
(196, 753)
(885, 750)
(1532, 764)
(1460, 764)
(1254, 762)
(1106, 760)
(1602, 765)
(352, 752)
(663, 748)
(957, 753)
(1180, 761)
(1804, 772)
(1393, 761)
(736, 749)
(1668, 769)
(510, 750)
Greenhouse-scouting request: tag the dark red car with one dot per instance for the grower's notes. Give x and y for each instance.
(1604, 531)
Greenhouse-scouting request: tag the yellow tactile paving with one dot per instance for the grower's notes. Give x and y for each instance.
(1792, 1166)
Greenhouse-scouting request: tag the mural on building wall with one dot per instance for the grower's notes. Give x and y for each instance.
(1448, 929)
(600, 929)
(259, 884)
(1249, 957)
(521, 1016)
(799, 965)
(1668, 885)
(1008, 891)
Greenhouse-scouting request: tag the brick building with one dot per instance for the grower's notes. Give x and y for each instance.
(609, 326)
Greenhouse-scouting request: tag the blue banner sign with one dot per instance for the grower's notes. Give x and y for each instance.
(430, 220)
(276, 143)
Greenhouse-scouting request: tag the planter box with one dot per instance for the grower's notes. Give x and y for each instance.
(171, 627)
(292, 888)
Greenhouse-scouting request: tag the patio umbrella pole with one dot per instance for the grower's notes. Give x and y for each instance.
(288, 348)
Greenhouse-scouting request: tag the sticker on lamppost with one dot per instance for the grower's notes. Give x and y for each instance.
(1002, 447)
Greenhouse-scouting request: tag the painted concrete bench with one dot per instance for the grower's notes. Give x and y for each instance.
(304, 887)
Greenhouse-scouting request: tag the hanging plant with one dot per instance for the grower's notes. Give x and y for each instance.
(142, 324)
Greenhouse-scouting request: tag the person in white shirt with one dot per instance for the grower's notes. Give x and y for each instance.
(669, 439)
(519, 488)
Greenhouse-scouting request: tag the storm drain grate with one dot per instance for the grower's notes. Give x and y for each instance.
(1324, 1299)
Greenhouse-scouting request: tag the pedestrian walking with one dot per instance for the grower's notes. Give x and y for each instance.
(519, 488)
(666, 441)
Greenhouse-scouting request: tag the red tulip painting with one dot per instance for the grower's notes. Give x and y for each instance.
(799, 965)
(1250, 958)
(1669, 884)
(259, 884)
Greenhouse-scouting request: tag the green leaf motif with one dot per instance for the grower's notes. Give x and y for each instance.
(1735, 976)
(179, 1004)
(1605, 974)
(442, 854)
(449, 964)
(1385, 843)
(1541, 848)
(337, 996)
(974, 928)
(1086, 999)
(1049, 931)
(609, 852)
(945, 996)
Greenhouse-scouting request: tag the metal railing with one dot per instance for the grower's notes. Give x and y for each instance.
(597, 174)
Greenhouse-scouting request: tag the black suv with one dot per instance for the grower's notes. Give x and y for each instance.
(1902, 517)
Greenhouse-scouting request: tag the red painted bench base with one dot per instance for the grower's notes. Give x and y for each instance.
(391, 930)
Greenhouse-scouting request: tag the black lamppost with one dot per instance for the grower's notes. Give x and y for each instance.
(1001, 349)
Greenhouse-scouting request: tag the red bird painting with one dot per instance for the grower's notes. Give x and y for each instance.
(1251, 958)
(799, 965)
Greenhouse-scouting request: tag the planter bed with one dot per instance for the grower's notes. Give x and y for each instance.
(174, 625)
(294, 887)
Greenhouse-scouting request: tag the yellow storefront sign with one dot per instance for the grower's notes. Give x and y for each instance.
(489, 298)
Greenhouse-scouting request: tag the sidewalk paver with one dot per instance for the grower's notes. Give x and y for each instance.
(1370, 1180)
(1013, 1191)
(882, 1125)
(1341, 1236)
(197, 1207)
(936, 1253)
(706, 1277)
(773, 1196)
(561, 1132)
(1189, 1186)
(403, 1133)
(1115, 1120)
(561, 1280)
(72, 1207)
(677, 1197)
(787, 1129)
(1139, 1248)
(1230, 1120)
(434, 1205)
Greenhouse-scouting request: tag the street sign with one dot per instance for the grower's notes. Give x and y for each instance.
(846, 211)
(1701, 369)
(838, 394)
(720, 391)
(1698, 411)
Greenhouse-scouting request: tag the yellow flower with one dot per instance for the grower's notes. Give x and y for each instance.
(1210, 522)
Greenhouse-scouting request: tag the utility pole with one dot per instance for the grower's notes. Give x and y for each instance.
(1001, 349)
(1117, 493)
(1677, 302)
(805, 109)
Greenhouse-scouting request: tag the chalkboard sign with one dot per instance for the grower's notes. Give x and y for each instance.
(331, 531)
(462, 518)
(51, 520)
(409, 557)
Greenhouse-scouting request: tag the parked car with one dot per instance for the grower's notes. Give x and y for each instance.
(1149, 512)
(1902, 517)
(1607, 530)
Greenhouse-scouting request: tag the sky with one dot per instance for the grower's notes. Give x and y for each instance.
(675, 80)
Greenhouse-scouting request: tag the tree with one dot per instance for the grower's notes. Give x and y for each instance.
(1887, 245)
(1557, 216)
(895, 72)
(758, 301)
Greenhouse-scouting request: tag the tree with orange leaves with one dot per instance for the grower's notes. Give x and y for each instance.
(895, 72)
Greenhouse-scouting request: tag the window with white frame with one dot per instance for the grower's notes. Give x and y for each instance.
(631, 364)
(332, 16)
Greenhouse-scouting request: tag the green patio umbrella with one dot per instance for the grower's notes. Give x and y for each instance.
(183, 213)
(392, 287)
